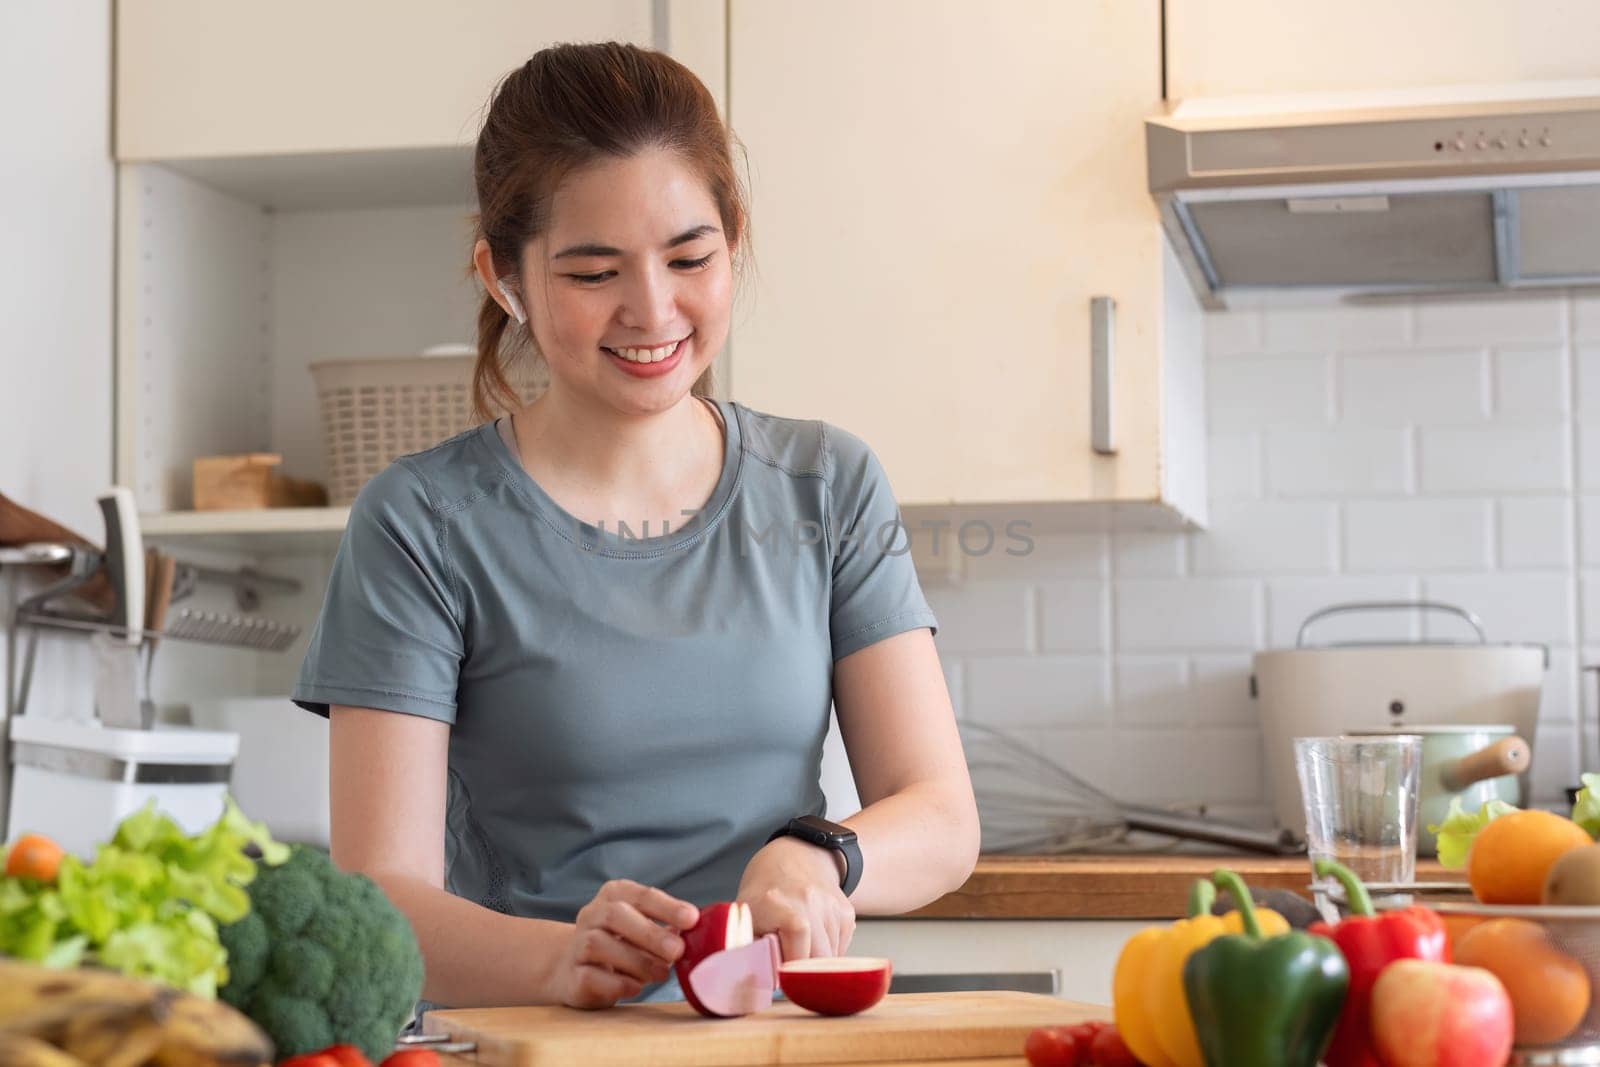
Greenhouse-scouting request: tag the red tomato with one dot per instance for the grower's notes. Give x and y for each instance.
(1109, 1050)
(1052, 1046)
(413, 1057)
(347, 1056)
(311, 1059)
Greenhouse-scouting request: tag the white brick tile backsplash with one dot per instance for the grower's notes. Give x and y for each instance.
(1587, 387)
(1193, 767)
(954, 682)
(1535, 532)
(982, 617)
(1558, 703)
(1530, 381)
(1073, 616)
(1417, 535)
(1253, 391)
(1291, 601)
(1187, 613)
(1589, 596)
(1400, 389)
(1219, 691)
(1230, 333)
(1349, 461)
(1586, 316)
(1050, 556)
(1589, 531)
(1513, 607)
(1234, 465)
(1507, 459)
(1152, 690)
(1588, 456)
(1047, 690)
(1147, 554)
(1087, 753)
(1348, 328)
(1249, 537)
(1510, 319)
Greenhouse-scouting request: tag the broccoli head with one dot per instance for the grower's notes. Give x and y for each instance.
(322, 958)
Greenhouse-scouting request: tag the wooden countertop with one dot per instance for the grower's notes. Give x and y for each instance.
(1115, 886)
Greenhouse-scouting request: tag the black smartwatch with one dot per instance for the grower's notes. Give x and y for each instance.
(830, 835)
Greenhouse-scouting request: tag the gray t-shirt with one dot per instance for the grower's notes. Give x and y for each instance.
(646, 703)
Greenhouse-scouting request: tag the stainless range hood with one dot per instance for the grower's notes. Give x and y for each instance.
(1414, 191)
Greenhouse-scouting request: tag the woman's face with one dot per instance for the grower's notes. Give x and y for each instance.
(634, 258)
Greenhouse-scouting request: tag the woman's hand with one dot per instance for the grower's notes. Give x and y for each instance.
(619, 944)
(792, 888)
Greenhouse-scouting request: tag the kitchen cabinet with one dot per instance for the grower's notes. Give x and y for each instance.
(200, 79)
(1229, 47)
(940, 192)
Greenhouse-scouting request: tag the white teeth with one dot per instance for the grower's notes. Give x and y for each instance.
(647, 355)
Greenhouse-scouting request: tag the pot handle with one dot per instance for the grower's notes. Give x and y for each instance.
(1391, 605)
(1509, 755)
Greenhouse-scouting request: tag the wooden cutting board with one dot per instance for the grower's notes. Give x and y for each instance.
(904, 1027)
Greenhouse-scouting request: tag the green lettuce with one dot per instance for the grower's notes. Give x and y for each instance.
(148, 904)
(1586, 810)
(1460, 826)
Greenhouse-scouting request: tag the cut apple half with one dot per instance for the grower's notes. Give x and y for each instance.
(836, 985)
(724, 928)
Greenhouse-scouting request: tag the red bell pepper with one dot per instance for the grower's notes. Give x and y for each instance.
(1371, 942)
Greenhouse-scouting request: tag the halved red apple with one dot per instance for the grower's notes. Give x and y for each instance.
(836, 985)
(723, 971)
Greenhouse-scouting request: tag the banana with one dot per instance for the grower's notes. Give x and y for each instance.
(18, 1051)
(113, 1040)
(102, 1017)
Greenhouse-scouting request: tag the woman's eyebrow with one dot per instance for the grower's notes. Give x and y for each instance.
(606, 250)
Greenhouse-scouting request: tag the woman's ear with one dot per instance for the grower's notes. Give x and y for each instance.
(502, 290)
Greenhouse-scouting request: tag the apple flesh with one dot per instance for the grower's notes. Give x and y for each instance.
(732, 984)
(1428, 1014)
(836, 985)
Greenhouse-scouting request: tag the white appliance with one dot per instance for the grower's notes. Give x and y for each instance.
(1320, 690)
(1465, 188)
(74, 782)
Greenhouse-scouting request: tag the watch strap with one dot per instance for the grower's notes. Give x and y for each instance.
(843, 843)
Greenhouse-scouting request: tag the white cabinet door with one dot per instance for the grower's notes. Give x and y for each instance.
(199, 79)
(1227, 47)
(939, 188)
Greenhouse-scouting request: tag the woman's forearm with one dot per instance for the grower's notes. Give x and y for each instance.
(476, 957)
(916, 846)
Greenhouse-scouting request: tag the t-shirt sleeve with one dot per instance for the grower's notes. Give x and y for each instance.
(875, 592)
(389, 635)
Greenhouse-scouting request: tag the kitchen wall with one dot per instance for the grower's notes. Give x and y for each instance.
(56, 203)
(1439, 449)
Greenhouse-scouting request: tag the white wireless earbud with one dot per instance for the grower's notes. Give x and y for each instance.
(511, 298)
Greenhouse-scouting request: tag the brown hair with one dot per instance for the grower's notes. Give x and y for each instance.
(569, 106)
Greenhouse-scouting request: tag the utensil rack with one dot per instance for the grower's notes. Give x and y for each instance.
(207, 627)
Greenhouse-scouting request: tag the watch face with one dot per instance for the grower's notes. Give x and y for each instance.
(823, 830)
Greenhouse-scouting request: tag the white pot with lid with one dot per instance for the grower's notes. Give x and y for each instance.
(1315, 690)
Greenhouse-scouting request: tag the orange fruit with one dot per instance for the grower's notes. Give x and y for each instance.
(33, 856)
(1512, 855)
(1549, 989)
(1456, 927)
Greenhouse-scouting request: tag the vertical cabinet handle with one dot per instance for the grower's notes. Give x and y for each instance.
(1102, 362)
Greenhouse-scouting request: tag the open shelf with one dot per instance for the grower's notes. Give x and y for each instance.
(259, 531)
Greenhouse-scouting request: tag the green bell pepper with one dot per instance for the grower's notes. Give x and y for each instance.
(1264, 1002)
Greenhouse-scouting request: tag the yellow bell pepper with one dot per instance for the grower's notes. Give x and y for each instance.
(1147, 988)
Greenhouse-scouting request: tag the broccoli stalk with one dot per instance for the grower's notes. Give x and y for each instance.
(322, 958)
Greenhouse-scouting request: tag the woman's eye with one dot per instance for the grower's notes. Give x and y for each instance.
(682, 264)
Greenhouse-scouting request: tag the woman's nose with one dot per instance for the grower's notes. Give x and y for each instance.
(649, 299)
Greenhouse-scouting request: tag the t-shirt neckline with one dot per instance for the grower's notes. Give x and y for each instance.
(684, 530)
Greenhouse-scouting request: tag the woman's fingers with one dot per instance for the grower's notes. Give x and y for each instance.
(596, 987)
(628, 923)
(601, 948)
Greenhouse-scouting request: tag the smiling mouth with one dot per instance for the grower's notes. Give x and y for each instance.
(654, 354)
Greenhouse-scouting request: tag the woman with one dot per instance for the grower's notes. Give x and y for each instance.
(613, 623)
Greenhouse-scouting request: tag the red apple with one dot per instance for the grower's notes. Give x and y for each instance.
(720, 927)
(835, 985)
(1427, 1014)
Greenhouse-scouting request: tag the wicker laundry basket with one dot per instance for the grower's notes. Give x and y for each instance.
(375, 410)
